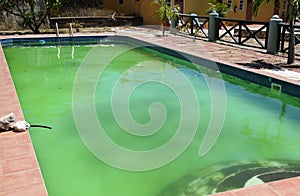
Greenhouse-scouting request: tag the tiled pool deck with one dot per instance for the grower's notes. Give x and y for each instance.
(19, 170)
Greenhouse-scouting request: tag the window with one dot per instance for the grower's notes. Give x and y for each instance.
(229, 3)
(241, 5)
(168, 2)
(121, 2)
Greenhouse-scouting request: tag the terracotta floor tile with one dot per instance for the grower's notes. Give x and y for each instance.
(16, 139)
(19, 164)
(20, 173)
(20, 180)
(259, 190)
(38, 190)
(286, 187)
(14, 152)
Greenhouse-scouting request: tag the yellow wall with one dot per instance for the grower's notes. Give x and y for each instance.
(238, 14)
(141, 8)
(265, 12)
(199, 7)
(147, 11)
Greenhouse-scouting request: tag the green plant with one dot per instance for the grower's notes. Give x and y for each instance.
(165, 12)
(257, 3)
(221, 8)
(32, 16)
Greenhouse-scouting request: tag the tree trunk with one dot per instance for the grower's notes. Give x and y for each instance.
(249, 10)
(276, 7)
(163, 29)
(291, 53)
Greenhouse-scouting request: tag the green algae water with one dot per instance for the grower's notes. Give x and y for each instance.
(260, 126)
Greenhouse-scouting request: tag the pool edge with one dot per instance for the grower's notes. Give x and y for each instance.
(20, 173)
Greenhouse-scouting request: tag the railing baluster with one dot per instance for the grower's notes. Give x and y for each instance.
(240, 32)
(191, 25)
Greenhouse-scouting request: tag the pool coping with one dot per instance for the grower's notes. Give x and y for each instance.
(14, 145)
(20, 173)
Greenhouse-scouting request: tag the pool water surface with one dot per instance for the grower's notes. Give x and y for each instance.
(259, 125)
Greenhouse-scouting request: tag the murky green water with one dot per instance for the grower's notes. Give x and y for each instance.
(260, 125)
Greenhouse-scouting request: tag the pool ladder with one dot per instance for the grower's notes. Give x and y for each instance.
(71, 40)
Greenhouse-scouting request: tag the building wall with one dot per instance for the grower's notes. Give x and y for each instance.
(235, 11)
(265, 12)
(135, 7)
(147, 11)
(199, 7)
(127, 7)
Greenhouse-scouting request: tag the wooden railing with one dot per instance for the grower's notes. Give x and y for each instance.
(193, 24)
(243, 32)
(240, 32)
(285, 34)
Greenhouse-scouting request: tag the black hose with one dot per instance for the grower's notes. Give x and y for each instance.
(41, 126)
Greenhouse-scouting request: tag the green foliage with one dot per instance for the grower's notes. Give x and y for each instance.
(165, 12)
(31, 15)
(256, 4)
(54, 5)
(221, 8)
(295, 4)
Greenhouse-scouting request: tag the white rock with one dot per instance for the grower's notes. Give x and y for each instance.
(7, 121)
(21, 126)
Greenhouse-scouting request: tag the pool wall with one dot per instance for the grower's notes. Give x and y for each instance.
(253, 75)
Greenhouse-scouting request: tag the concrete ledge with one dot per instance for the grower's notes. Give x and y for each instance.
(64, 22)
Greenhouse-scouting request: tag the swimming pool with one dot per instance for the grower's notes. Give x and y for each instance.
(260, 125)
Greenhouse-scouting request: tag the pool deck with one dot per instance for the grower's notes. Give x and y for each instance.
(19, 170)
(20, 173)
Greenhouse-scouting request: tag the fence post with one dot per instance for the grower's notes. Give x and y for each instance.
(212, 37)
(274, 35)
